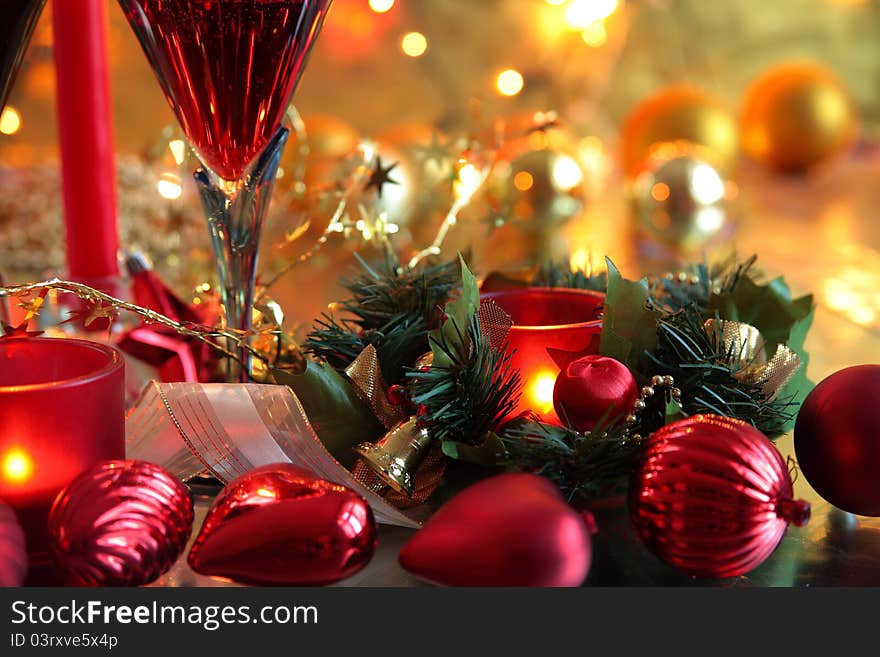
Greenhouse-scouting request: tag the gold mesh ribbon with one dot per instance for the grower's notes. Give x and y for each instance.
(369, 384)
(495, 323)
(366, 377)
(745, 351)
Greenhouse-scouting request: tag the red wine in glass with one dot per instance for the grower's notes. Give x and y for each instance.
(17, 21)
(228, 68)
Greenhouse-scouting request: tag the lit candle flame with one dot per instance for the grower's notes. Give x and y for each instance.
(540, 391)
(18, 467)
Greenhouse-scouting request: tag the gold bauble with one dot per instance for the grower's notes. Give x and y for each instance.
(680, 112)
(329, 139)
(541, 183)
(425, 160)
(796, 115)
(538, 185)
(680, 199)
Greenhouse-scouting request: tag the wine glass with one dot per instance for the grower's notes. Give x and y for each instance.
(17, 21)
(229, 69)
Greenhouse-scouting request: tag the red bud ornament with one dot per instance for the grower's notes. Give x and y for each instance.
(712, 496)
(13, 551)
(122, 523)
(508, 530)
(280, 525)
(592, 388)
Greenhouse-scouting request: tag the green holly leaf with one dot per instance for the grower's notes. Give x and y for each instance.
(339, 417)
(780, 319)
(453, 332)
(490, 453)
(768, 307)
(629, 327)
(800, 385)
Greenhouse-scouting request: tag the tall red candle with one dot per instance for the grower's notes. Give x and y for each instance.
(85, 125)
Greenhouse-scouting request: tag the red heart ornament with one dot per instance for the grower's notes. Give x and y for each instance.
(280, 525)
(508, 530)
(13, 552)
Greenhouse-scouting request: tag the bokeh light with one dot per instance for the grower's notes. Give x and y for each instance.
(414, 44)
(510, 82)
(10, 121)
(581, 13)
(381, 6)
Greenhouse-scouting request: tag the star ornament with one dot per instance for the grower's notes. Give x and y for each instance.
(18, 332)
(379, 176)
(438, 152)
(563, 358)
(91, 313)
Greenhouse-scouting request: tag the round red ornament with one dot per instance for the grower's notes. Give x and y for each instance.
(593, 387)
(121, 523)
(507, 530)
(13, 550)
(712, 496)
(280, 525)
(837, 439)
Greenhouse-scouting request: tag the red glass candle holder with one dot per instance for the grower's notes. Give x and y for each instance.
(550, 326)
(61, 410)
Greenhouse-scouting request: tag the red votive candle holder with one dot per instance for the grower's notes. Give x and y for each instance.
(61, 411)
(550, 325)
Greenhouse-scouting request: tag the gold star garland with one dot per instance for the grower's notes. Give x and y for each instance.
(102, 305)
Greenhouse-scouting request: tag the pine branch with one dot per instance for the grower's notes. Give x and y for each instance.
(689, 354)
(469, 398)
(392, 308)
(695, 285)
(582, 465)
(558, 273)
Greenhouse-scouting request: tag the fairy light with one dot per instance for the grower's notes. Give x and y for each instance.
(595, 34)
(566, 173)
(468, 181)
(10, 121)
(582, 13)
(523, 181)
(169, 186)
(178, 150)
(660, 192)
(414, 44)
(509, 82)
(706, 185)
(381, 6)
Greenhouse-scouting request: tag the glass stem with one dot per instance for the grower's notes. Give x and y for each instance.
(235, 212)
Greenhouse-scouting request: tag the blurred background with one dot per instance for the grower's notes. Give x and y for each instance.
(654, 132)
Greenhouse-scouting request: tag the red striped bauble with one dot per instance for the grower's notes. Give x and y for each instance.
(712, 496)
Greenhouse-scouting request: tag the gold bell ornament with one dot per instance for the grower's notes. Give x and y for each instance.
(398, 455)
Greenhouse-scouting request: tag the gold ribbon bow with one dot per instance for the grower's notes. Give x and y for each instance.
(745, 351)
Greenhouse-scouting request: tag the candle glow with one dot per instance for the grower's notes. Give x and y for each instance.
(539, 390)
(18, 467)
